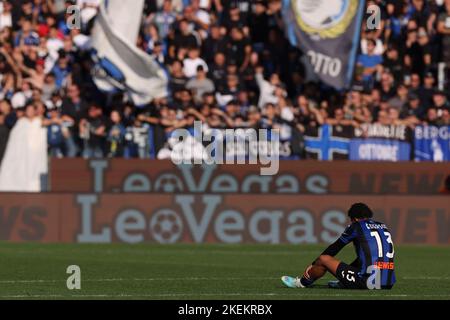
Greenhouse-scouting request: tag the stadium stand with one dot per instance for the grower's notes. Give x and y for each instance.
(229, 64)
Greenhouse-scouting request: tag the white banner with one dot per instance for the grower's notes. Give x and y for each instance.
(25, 161)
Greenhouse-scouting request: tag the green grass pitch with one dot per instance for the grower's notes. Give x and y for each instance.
(215, 272)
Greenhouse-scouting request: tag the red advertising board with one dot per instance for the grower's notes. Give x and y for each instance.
(294, 177)
(213, 218)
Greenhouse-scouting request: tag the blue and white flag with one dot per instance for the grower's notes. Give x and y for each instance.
(328, 142)
(328, 31)
(432, 143)
(119, 63)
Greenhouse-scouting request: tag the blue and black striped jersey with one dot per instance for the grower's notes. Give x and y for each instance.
(374, 247)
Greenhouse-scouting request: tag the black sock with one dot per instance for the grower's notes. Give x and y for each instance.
(306, 282)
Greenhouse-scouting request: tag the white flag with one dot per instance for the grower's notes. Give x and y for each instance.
(25, 162)
(120, 64)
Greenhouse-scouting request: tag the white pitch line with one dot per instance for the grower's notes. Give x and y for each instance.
(157, 252)
(169, 295)
(182, 279)
(140, 279)
(28, 281)
(425, 278)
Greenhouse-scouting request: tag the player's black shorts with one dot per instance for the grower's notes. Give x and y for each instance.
(349, 278)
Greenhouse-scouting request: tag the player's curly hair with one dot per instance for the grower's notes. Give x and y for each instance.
(360, 211)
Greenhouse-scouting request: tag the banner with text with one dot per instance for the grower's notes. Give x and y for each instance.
(375, 142)
(432, 143)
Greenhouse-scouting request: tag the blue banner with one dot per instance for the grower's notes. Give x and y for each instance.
(328, 32)
(432, 143)
(379, 150)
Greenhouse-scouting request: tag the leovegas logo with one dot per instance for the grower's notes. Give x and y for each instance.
(295, 177)
(22, 223)
(28, 218)
(206, 219)
(250, 219)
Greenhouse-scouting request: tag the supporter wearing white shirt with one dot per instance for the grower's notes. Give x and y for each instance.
(269, 90)
(177, 5)
(202, 15)
(89, 3)
(205, 4)
(379, 48)
(5, 15)
(54, 43)
(193, 62)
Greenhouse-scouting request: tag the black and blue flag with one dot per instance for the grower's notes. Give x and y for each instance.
(328, 32)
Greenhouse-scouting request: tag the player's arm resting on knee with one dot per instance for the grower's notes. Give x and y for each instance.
(332, 250)
(347, 236)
